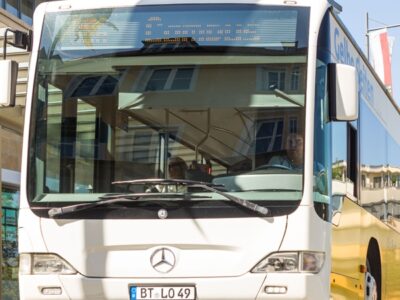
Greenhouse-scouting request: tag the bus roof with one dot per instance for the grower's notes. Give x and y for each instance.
(118, 3)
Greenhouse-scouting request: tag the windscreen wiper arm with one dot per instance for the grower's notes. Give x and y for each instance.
(242, 202)
(118, 198)
(162, 181)
(57, 211)
(204, 185)
(110, 199)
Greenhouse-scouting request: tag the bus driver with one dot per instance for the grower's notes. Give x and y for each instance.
(293, 159)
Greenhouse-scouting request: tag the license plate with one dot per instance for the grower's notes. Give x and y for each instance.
(162, 292)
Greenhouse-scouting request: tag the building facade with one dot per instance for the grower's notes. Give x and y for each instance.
(15, 14)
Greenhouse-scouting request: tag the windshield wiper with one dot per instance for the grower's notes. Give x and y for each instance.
(162, 181)
(57, 211)
(199, 184)
(116, 198)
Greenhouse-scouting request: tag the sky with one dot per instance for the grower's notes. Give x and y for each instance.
(381, 13)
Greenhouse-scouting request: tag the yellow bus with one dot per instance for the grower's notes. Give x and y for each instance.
(366, 169)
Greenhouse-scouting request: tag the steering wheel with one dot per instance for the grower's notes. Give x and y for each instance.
(274, 166)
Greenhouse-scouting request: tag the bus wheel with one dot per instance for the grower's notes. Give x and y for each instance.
(370, 286)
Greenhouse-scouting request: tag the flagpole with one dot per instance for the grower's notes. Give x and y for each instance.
(383, 27)
(382, 74)
(367, 35)
(376, 29)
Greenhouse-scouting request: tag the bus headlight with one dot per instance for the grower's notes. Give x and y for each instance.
(44, 264)
(291, 262)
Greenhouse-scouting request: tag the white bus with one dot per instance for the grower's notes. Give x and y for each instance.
(201, 150)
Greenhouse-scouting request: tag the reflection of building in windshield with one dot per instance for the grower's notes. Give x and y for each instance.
(339, 170)
(378, 177)
(286, 78)
(138, 115)
(168, 44)
(269, 79)
(221, 105)
(380, 191)
(189, 87)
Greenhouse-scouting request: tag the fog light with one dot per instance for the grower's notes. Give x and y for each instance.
(51, 291)
(275, 289)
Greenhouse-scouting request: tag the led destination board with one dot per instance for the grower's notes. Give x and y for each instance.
(195, 25)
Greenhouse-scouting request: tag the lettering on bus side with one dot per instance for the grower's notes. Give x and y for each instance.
(345, 55)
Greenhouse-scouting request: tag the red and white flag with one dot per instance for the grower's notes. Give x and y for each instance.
(381, 46)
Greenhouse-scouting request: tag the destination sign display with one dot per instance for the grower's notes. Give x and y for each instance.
(195, 25)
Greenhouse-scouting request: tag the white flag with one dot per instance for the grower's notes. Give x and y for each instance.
(381, 55)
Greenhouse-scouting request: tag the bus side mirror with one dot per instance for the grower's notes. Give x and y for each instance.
(343, 92)
(8, 82)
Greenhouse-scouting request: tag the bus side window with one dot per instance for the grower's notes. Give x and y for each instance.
(373, 163)
(339, 158)
(352, 158)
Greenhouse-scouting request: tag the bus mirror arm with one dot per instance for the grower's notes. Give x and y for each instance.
(22, 40)
(9, 68)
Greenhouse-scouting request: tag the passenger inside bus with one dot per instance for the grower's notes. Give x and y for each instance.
(177, 168)
(200, 172)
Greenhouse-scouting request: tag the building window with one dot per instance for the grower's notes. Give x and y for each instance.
(22, 9)
(158, 80)
(293, 125)
(363, 181)
(93, 86)
(295, 79)
(269, 136)
(377, 182)
(13, 7)
(274, 79)
(27, 11)
(9, 219)
(168, 79)
(182, 79)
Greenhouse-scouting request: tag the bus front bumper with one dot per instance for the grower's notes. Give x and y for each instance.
(249, 286)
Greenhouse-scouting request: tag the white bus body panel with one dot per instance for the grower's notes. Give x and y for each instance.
(249, 286)
(202, 247)
(214, 255)
(78, 5)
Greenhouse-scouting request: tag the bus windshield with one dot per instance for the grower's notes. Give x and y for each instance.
(208, 93)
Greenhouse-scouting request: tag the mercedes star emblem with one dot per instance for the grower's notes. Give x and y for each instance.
(162, 213)
(163, 260)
